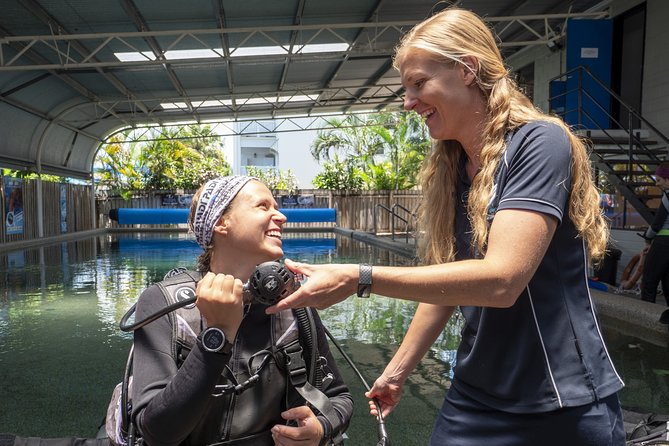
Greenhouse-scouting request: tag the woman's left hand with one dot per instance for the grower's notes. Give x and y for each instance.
(219, 299)
(308, 431)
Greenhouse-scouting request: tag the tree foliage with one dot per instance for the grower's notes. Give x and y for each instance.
(338, 175)
(381, 151)
(275, 179)
(172, 158)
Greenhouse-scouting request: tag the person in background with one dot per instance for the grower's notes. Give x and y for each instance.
(656, 264)
(511, 220)
(237, 222)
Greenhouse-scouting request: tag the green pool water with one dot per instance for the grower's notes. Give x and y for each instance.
(62, 353)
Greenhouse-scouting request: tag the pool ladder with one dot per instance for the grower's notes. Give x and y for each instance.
(394, 215)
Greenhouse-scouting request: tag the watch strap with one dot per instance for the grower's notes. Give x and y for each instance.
(364, 280)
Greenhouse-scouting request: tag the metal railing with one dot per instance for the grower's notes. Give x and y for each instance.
(638, 155)
(411, 217)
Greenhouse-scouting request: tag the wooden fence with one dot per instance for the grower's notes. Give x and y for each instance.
(76, 207)
(364, 211)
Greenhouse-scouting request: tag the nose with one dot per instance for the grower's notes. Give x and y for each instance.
(409, 102)
(279, 218)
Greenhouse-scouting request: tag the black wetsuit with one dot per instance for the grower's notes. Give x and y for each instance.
(174, 405)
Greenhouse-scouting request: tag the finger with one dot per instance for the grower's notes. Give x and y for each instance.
(297, 267)
(285, 433)
(224, 282)
(292, 301)
(297, 413)
(205, 281)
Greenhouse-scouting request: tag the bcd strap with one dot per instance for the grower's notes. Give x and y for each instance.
(297, 374)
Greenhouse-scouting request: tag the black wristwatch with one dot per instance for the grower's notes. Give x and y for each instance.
(213, 340)
(365, 280)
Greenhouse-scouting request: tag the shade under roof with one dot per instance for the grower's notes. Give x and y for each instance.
(64, 86)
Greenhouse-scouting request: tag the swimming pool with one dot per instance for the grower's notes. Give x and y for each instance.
(61, 351)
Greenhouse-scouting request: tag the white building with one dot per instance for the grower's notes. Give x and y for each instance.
(255, 143)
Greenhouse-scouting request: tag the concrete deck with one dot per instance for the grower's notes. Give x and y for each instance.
(627, 312)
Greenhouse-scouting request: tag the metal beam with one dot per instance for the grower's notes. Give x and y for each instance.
(242, 127)
(58, 45)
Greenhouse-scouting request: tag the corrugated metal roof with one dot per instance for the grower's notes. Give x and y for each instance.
(63, 89)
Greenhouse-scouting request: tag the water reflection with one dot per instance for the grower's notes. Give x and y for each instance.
(61, 351)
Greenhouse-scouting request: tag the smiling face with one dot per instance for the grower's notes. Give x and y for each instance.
(445, 95)
(252, 226)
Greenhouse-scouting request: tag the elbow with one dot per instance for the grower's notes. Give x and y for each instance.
(507, 290)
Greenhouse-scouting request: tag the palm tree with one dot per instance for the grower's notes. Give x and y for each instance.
(387, 148)
(173, 158)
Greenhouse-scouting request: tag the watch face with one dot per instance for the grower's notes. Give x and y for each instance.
(213, 339)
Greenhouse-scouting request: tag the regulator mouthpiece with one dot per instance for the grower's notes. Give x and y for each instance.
(269, 283)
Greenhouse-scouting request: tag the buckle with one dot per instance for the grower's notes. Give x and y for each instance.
(295, 364)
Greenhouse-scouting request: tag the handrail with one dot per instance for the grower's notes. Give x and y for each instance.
(393, 216)
(406, 222)
(637, 154)
(615, 95)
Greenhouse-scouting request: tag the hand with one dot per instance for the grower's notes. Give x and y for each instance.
(327, 285)
(308, 432)
(387, 393)
(219, 299)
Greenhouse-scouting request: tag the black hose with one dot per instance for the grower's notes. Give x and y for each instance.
(157, 315)
(384, 439)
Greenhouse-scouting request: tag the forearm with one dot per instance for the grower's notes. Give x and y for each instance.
(174, 410)
(466, 282)
(168, 401)
(343, 407)
(428, 322)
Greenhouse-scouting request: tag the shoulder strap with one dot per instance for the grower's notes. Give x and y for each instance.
(186, 321)
(306, 377)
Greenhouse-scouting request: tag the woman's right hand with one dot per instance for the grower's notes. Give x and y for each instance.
(387, 392)
(219, 299)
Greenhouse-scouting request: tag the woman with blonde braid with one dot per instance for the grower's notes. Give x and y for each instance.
(511, 220)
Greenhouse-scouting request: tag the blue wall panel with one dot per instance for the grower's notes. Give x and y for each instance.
(589, 44)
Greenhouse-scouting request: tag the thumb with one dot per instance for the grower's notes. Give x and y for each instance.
(296, 413)
(296, 267)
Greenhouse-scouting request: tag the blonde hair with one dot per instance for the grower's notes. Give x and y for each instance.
(448, 37)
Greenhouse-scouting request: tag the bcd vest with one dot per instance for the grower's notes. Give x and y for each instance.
(280, 350)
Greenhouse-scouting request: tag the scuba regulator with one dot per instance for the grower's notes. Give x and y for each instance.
(269, 283)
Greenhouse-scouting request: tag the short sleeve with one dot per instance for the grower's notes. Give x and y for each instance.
(536, 170)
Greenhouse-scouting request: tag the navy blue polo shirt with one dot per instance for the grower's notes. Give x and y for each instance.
(546, 351)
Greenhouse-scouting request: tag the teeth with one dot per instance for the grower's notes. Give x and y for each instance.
(274, 234)
(427, 114)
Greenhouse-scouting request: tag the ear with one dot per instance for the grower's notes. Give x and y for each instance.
(471, 69)
(221, 227)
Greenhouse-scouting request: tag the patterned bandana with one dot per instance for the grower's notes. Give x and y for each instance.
(216, 196)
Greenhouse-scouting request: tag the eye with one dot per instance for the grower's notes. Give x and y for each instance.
(419, 83)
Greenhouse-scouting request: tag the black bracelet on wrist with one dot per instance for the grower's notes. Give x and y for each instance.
(365, 280)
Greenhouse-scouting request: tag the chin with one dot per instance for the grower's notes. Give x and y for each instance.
(276, 254)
